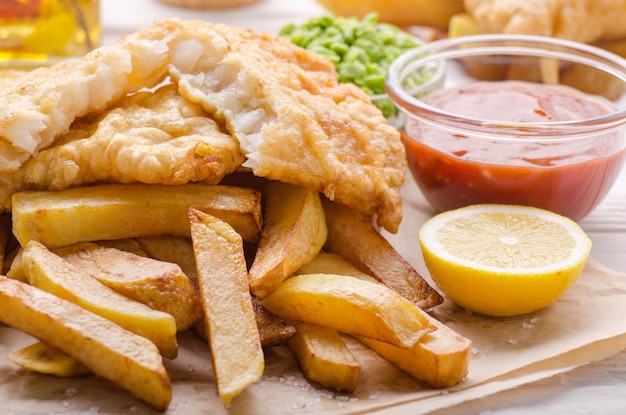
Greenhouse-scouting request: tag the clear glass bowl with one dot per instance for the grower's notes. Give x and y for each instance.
(512, 119)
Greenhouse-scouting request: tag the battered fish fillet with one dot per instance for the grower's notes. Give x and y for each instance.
(579, 20)
(294, 121)
(150, 137)
(38, 108)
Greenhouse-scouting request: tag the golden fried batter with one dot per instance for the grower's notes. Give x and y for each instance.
(294, 121)
(149, 137)
(38, 108)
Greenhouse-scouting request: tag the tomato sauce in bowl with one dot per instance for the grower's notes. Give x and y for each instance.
(512, 119)
(455, 169)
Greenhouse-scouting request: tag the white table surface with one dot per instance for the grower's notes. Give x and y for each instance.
(597, 388)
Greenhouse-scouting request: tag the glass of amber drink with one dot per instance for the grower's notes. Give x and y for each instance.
(522, 120)
(41, 32)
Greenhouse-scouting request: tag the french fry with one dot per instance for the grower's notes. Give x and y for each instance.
(106, 212)
(294, 230)
(160, 285)
(324, 357)
(175, 249)
(125, 244)
(272, 330)
(440, 359)
(5, 234)
(593, 81)
(331, 263)
(53, 274)
(42, 358)
(111, 352)
(350, 305)
(352, 235)
(234, 339)
(16, 270)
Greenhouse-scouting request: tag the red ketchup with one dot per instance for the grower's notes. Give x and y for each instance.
(568, 176)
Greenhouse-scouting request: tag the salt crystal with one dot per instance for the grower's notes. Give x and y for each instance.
(374, 395)
(528, 325)
(474, 351)
(535, 320)
(69, 392)
(300, 403)
(512, 341)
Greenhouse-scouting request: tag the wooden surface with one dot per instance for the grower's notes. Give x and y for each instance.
(598, 388)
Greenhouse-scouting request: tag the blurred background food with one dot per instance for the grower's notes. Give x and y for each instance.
(34, 33)
(360, 49)
(435, 13)
(588, 21)
(600, 23)
(583, 21)
(209, 4)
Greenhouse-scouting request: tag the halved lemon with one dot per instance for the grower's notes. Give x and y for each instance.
(503, 260)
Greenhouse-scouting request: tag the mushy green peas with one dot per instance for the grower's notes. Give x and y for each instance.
(361, 50)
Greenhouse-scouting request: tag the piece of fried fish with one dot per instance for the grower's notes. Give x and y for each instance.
(294, 121)
(149, 137)
(579, 20)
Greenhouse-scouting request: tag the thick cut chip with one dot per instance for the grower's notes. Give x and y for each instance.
(9, 259)
(331, 263)
(440, 359)
(353, 236)
(5, 233)
(350, 305)
(125, 244)
(126, 359)
(16, 270)
(58, 218)
(272, 330)
(294, 231)
(160, 285)
(175, 249)
(151, 137)
(42, 358)
(53, 274)
(234, 339)
(324, 357)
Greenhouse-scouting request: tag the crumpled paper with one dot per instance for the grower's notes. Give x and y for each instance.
(507, 352)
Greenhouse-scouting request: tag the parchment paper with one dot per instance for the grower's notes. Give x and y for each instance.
(579, 328)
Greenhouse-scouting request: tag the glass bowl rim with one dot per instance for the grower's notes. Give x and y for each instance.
(530, 45)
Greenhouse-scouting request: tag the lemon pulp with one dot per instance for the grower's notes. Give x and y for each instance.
(503, 260)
